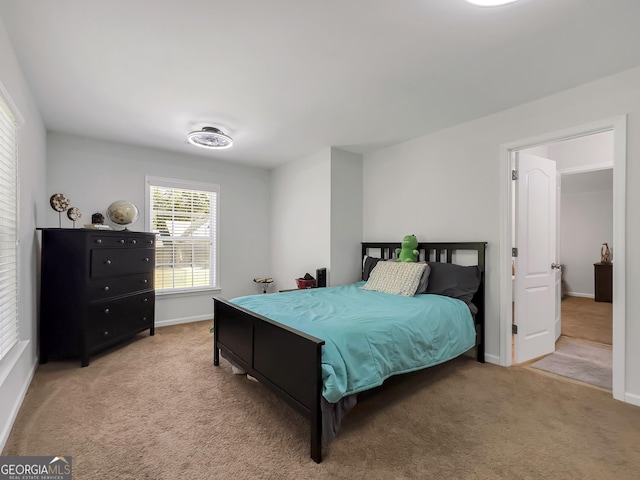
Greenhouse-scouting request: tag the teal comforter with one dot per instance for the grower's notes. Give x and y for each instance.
(369, 335)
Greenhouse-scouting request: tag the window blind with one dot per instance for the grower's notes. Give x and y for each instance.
(8, 230)
(185, 215)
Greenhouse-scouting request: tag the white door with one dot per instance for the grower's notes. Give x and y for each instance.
(558, 271)
(535, 272)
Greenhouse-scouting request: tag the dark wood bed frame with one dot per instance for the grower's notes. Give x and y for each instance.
(288, 361)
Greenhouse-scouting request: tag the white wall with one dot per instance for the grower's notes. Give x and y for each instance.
(16, 370)
(301, 219)
(446, 186)
(93, 173)
(538, 151)
(346, 217)
(577, 153)
(316, 216)
(586, 221)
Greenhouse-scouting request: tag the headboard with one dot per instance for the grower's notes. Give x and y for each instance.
(444, 252)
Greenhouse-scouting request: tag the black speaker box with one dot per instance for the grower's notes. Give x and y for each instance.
(321, 277)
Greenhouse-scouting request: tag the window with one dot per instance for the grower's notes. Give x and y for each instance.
(185, 217)
(8, 229)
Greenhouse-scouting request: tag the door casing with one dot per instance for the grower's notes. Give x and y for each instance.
(619, 127)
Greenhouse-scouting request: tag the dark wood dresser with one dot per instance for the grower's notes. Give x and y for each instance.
(96, 290)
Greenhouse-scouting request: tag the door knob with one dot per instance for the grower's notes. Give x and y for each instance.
(556, 266)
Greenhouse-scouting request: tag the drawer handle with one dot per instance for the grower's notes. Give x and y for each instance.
(106, 310)
(107, 262)
(151, 242)
(145, 281)
(134, 241)
(105, 333)
(145, 300)
(106, 289)
(146, 259)
(144, 319)
(98, 241)
(122, 240)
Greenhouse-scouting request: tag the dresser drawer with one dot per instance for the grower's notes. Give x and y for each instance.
(117, 307)
(108, 331)
(111, 240)
(103, 288)
(115, 318)
(112, 262)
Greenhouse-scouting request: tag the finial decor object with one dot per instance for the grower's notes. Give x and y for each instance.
(74, 214)
(122, 213)
(605, 253)
(59, 203)
(97, 218)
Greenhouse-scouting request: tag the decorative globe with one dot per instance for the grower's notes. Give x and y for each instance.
(122, 212)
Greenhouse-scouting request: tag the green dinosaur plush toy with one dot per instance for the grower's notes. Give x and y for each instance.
(408, 252)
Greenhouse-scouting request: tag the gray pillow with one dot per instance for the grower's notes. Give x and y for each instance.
(367, 266)
(454, 281)
(424, 279)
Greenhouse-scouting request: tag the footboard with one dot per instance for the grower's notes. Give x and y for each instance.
(283, 359)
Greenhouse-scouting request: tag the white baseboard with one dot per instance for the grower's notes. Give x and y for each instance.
(495, 359)
(11, 418)
(583, 295)
(632, 399)
(177, 321)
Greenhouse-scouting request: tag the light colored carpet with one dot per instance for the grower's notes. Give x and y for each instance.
(585, 363)
(156, 408)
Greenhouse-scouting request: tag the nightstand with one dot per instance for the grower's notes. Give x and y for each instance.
(603, 278)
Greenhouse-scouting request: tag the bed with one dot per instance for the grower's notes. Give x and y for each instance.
(283, 341)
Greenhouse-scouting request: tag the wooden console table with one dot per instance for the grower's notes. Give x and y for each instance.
(603, 277)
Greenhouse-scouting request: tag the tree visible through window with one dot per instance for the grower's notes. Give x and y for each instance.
(184, 215)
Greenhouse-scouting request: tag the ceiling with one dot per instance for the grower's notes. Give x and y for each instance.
(286, 78)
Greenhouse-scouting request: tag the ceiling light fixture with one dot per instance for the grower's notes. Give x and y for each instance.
(210, 137)
(490, 3)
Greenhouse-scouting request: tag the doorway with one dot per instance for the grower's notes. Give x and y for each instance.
(586, 232)
(583, 346)
(617, 127)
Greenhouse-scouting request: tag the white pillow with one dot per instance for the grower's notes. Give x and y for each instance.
(398, 278)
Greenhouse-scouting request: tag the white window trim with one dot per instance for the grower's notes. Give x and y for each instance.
(189, 185)
(190, 292)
